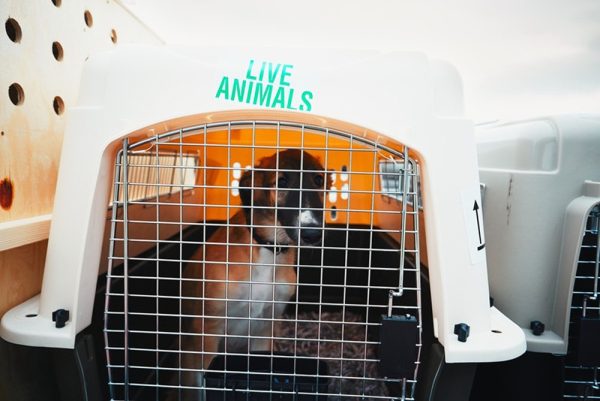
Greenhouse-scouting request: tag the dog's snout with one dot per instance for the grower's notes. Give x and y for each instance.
(311, 235)
(310, 227)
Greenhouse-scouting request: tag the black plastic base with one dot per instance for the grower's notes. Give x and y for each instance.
(259, 382)
(531, 377)
(441, 381)
(49, 374)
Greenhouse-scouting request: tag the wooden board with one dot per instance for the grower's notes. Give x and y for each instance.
(21, 271)
(43, 48)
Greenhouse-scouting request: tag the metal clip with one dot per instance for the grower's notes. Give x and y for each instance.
(596, 223)
(585, 304)
(403, 398)
(592, 387)
(391, 295)
(595, 215)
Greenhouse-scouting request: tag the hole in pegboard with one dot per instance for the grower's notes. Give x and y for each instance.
(7, 193)
(333, 213)
(13, 30)
(89, 20)
(57, 3)
(16, 94)
(58, 105)
(113, 36)
(57, 51)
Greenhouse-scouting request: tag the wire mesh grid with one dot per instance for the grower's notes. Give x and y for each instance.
(277, 285)
(581, 380)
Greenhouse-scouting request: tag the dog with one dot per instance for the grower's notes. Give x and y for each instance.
(246, 273)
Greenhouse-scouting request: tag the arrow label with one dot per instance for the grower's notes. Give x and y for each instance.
(476, 210)
(473, 218)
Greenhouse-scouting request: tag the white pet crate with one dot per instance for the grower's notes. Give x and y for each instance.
(542, 195)
(169, 132)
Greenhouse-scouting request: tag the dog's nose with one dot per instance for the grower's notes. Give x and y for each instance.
(311, 235)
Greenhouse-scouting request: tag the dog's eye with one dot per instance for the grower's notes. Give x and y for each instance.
(282, 182)
(319, 180)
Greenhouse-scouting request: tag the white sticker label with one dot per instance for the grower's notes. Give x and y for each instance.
(473, 214)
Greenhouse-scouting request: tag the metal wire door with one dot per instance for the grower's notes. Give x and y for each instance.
(582, 381)
(176, 192)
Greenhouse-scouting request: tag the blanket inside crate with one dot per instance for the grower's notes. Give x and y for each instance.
(351, 362)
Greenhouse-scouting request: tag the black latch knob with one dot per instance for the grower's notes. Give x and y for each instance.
(60, 317)
(462, 331)
(537, 327)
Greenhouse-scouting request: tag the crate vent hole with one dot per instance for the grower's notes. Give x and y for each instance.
(57, 51)
(16, 94)
(89, 20)
(58, 105)
(13, 30)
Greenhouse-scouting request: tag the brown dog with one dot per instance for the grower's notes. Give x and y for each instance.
(248, 271)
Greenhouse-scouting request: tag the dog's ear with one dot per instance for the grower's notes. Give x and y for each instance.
(246, 188)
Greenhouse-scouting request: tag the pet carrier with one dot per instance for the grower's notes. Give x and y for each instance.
(540, 211)
(276, 222)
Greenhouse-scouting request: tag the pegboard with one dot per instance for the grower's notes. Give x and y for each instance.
(43, 47)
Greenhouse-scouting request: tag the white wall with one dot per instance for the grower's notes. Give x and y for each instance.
(517, 58)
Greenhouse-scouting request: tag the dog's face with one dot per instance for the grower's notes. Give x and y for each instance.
(283, 198)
